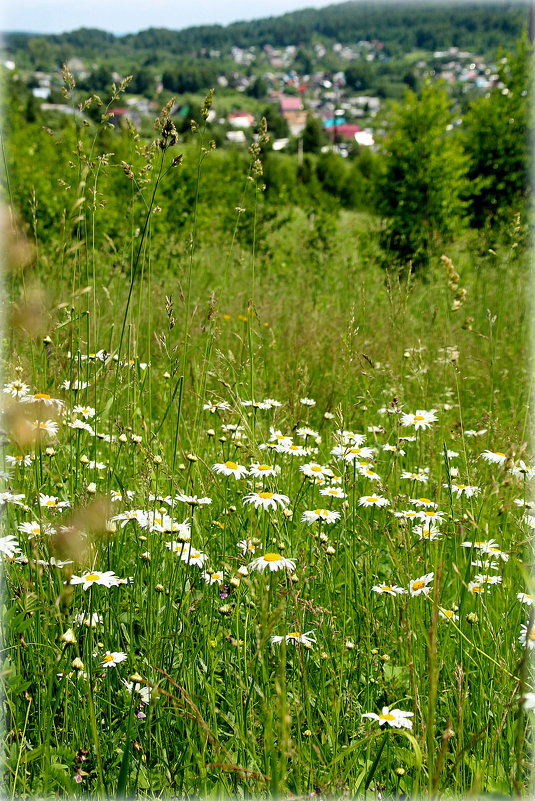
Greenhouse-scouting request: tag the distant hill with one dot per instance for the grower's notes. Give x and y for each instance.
(481, 27)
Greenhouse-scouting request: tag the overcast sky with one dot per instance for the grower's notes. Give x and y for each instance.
(129, 16)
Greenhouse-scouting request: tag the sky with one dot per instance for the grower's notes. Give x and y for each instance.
(130, 16)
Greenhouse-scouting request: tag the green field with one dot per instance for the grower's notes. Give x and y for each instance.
(256, 486)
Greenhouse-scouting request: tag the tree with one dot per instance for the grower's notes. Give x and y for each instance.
(419, 190)
(313, 135)
(496, 140)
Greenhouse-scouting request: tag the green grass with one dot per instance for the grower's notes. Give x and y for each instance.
(296, 309)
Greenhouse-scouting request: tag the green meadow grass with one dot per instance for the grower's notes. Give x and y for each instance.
(168, 682)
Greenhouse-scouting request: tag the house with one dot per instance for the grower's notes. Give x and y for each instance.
(346, 130)
(291, 108)
(240, 119)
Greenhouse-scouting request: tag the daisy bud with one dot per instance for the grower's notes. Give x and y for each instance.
(77, 663)
(225, 609)
(136, 677)
(288, 513)
(167, 375)
(159, 588)
(68, 637)
(84, 459)
(243, 571)
(192, 458)
(50, 451)
(146, 556)
(123, 438)
(111, 527)
(92, 488)
(210, 432)
(472, 618)
(235, 581)
(349, 645)
(400, 771)
(157, 459)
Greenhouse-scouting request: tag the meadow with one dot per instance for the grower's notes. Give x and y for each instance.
(266, 511)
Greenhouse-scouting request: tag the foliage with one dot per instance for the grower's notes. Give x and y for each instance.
(419, 190)
(497, 142)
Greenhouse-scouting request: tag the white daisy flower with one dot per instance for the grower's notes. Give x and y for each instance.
(313, 470)
(527, 638)
(333, 492)
(105, 579)
(493, 457)
(395, 718)
(295, 636)
(112, 658)
(51, 502)
(260, 470)
(273, 562)
(267, 500)
(325, 515)
(420, 586)
(9, 546)
(373, 500)
(447, 614)
(420, 420)
(230, 469)
(388, 589)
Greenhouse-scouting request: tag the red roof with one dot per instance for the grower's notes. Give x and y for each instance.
(345, 131)
(288, 103)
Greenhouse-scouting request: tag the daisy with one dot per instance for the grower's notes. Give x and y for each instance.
(23, 461)
(272, 561)
(75, 385)
(353, 453)
(192, 556)
(247, 546)
(423, 502)
(407, 514)
(46, 427)
(193, 500)
(395, 718)
(9, 497)
(267, 500)
(106, 579)
(451, 454)
(17, 389)
(260, 470)
(525, 598)
(53, 562)
(431, 514)
(213, 578)
(307, 401)
(295, 636)
(230, 469)
(528, 701)
(527, 638)
(278, 437)
(477, 588)
(256, 404)
(482, 545)
(368, 473)
(79, 425)
(43, 399)
(420, 420)
(52, 502)
(447, 614)
(313, 470)
(420, 586)
(222, 406)
(333, 492)
(394, 449)
(305, 431)
(493, 457)
(373, 500)
(463, 489)
(9, 546)
(144, 691)
(84, 620)
(351, 438)
(85, 411)
(112, 658)
(484, 579)
(522, 470)
(428, 531)
(423, 477)
(34, 529)
(388, 589)
(275, 404)
(325, 515)
(293, 450)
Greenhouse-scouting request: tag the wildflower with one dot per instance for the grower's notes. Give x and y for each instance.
(317, 471)
(482, 545)
(51, 502)
(106, 579)
(368, 473)
(351, 437)
(260, 470)
(522, 470)
(493, 457)
(34, 529)
(193, 500)
(418, 502)
(9, 546)
(477, 588)
(408, 514)
(420, 586)
(388, 589)
(525, 598)
(46, 426)
(395, 718)
(325, 515)
(247, 546)
(68, 637)
(307, 401)
(112, 658)
(293, 450)
(143, 691)
(333, 492)
(192, 556)
(431, 514)
(9, 497)
(272, 561)
(17, 389)
(294, 637)
(256, 404)
(267, 500)
(278, 437)
(527, 638)
(85, 411)
(373, 500)
(422, 477)
(75, 385)
(528, 701)
(305, 431)
(23, 461)
(88, 622)
(420, 420)
(213, 578)
(427, 532)
(230, 469)
(394, 449)
(485, 579)
(463, 489)
(353, 453)
(447, 614)
(80, 425)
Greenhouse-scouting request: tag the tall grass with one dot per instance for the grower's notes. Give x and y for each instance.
(162, 358)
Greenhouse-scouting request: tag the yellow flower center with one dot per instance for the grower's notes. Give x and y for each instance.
(263, 467)
(417, 585)
(265, 495)
(354, 450)
(531, 635)
(294, 634)
(460, 486)
(41, 396)
(477, 588)
(448, 612)
(425, 500)
(373, 499)
(215, 576)
(386, 587)
(387, 717)
(108, 658)
(316, 468)
(231, 465)
(293, 448)
(272, 557)
(91, 577)
(51, 502)
(320, 512)
(499, 453)
(419, 417)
